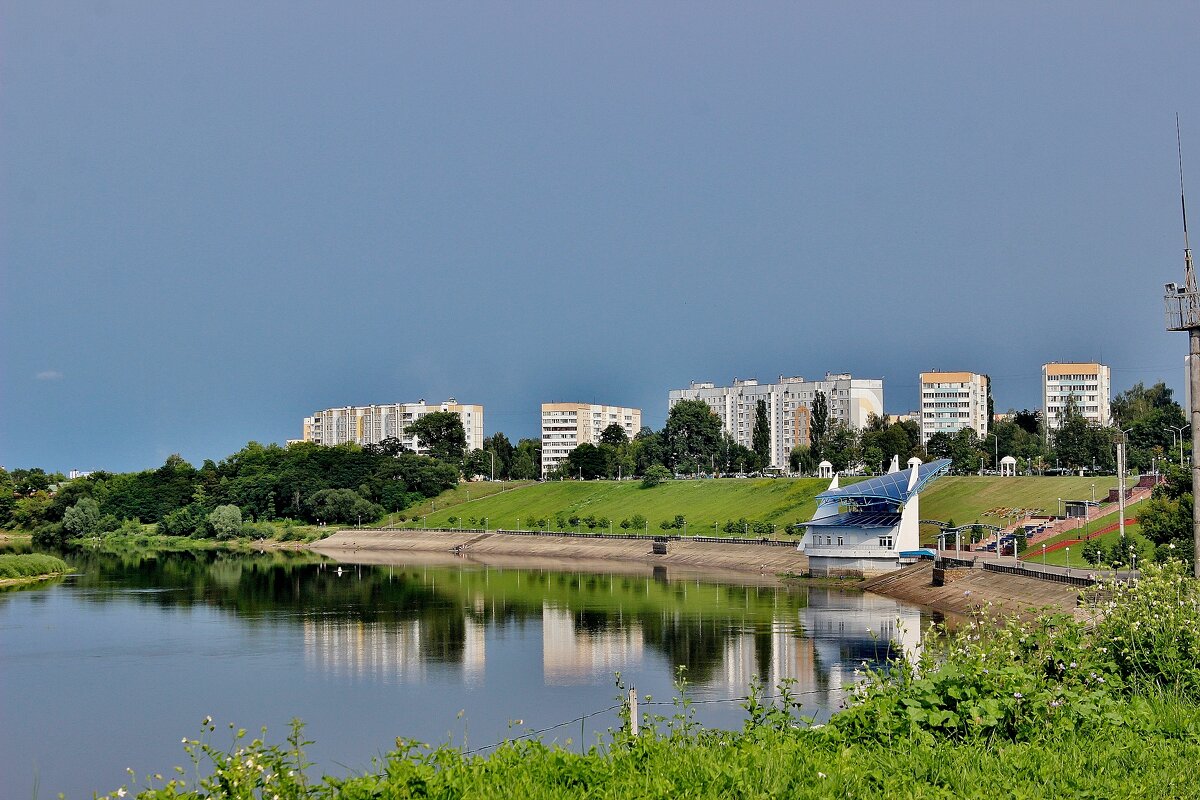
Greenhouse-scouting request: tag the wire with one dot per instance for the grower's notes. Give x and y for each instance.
(540, 731)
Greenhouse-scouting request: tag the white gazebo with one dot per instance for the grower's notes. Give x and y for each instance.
(824, 470)
(1008, 467)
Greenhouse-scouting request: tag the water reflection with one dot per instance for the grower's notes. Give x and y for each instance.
(393, 622)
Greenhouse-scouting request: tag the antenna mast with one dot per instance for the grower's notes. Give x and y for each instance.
(1189, 279)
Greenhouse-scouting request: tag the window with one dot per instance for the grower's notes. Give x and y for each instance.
(841, 540)
(886, 542)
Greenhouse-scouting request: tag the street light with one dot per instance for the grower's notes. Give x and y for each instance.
(1180, 429)
(1068, 561)
(1043, 556)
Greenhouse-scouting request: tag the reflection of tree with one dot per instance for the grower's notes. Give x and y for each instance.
(697, 643)
(690, 624)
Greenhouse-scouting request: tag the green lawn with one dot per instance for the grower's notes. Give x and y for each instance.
(979, 499)
(778, 500)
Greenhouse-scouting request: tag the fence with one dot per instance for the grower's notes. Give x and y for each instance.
(1056, 577)
(574, 535)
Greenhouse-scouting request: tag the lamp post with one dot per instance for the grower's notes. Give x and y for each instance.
(1068, 561)
(1043, 556)
(1180, 429)
(518, 524)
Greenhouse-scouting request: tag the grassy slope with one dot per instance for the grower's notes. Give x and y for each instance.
(780, 500)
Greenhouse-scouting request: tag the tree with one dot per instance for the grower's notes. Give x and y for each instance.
(655, 475)
(842, 448)
(1149, 414)
(614, 434)
(477, 462)
(965, 455)
(691, 434)
(498, 444)
(586, 461)
(83, 518)
(226, 521)
(801, 459)
(1029, 421)
(761, 438)
(342, 505)
(818, 425)
(523, 468)
(442, 432)
(648, 450)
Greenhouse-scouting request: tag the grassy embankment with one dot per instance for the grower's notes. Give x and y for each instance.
(1044, 708)
(780, 500)
(29, 567)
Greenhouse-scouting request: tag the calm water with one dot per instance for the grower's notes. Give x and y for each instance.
(110, 668)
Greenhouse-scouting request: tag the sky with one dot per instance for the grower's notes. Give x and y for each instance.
(217, 218)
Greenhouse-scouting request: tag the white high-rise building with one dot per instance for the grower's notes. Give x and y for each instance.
(951, 401)
(789, 407)
(373, 424)
(1090, 384)
(565, 426)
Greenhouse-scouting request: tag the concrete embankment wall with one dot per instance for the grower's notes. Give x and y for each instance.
(748, 557)
(971, 589)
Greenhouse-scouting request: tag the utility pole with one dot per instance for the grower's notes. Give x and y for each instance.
(1183, 314)
(1121, 484)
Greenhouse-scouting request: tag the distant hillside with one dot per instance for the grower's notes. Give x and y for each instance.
(780, 500)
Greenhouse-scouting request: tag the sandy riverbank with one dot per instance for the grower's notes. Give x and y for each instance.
(561, 552)
(973, 589)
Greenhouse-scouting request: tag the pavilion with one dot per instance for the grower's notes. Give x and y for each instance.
(870, 527)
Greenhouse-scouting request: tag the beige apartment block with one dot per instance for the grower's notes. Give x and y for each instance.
(372, 424)
(789, 407)
(1089, 383)
(951, 401)
(565, 426)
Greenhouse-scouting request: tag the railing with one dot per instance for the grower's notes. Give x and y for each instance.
(1056, 577)
(579, 535)
(1182, 310)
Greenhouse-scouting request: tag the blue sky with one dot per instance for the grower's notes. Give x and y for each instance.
(216, 218)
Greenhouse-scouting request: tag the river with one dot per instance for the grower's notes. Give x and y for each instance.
(109, 668)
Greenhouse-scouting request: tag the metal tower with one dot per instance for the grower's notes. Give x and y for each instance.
(1183, 314)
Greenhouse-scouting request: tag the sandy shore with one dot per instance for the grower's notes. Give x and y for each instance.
(559, 552)
(974, 589)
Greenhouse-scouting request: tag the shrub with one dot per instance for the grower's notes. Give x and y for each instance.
(655, 475)
(28, 565)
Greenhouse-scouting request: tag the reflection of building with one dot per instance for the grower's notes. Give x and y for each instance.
(388, 650)
(565, 426)
(779, 653)
(848, 628)
(571, 655)
(789, 406)
(373, 424)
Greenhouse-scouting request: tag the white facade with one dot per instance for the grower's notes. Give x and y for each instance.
(1089, 383)
(373, 424)
(951, 401)
(565, 426)
(789, 407)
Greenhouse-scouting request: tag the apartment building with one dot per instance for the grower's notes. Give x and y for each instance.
(565, 426)
(1090, 384)
(373, 424)
(951, 401)
(789, 406)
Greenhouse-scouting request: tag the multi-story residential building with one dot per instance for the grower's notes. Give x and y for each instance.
(951, 401)
(565, 426)
(373, 424)
(789, 407)
(1090, 384)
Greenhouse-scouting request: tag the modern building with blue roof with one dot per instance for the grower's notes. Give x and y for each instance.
(869, 527)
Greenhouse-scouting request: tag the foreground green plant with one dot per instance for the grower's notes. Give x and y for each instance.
(30, 565)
